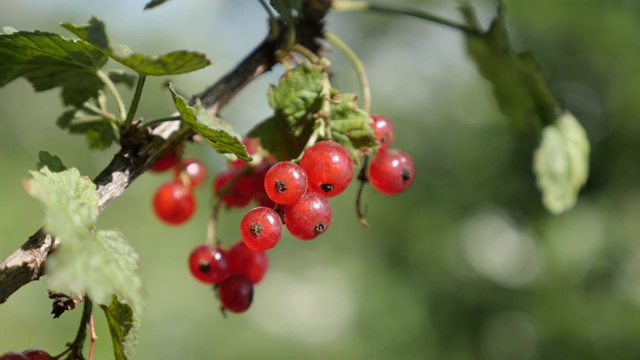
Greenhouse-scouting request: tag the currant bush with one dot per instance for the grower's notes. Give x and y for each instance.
(329, 168)
(392, 171)
(13, 356)
(309, 217)
(258, 176)
(261, 228)
(285, 183)
(37, 354)
(236, 293)
(173, 203)
(166, 162)
(209, 264)
(245, 261)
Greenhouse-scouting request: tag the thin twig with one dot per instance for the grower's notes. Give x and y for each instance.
(78, 343)
(362, 177)
(135, 101)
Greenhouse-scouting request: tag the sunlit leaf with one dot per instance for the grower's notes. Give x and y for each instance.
(176, 62)
(218, 133)
(48, 60)
(350, 126)
(561, 163)
(124, 326)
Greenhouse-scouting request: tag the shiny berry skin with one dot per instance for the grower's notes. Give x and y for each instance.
(173, 203)
(209, 264)
(285, 183)
(261, 228)
(250, 263)
(35, 354)
(309, 217)
(13, 356)
(392, 171)
(194, 169)
(237, 195)
(166, 162)
(383, 131)
(329, 168)
(257, 178)
(236, 293)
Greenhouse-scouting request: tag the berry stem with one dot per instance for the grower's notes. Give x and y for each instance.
(122, 111)
(92, 338)
(362, 177)
(211, 226)
(135, 101)
(160, 121)
(359, 66)
(78, 343)
(347, 5)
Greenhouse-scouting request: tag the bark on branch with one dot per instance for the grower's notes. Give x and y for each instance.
(141, 150)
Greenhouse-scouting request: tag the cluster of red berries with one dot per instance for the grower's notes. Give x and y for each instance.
(31, 354)
(289, 194)
(174, 202)
(233, 272)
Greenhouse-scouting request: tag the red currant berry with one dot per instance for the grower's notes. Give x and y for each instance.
(236, 293)
(383, 131)
(13, 356)
(392, 171)
(173, 203)
(309, 217)
(209, 264)
(329, 168)
(166, 162)
(250, 263)
(285, 183)
(258, 175)
(35, 354)
(234, 195)
(194, 169)
(261, 228)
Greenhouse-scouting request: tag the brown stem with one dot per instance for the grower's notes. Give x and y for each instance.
(78, 343)
(362, 177)
(141, 149)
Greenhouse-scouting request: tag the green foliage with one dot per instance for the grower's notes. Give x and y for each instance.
(96, 262)
(286, 8)
(176, 62)
(100, 131)
(218, 133)
(295, 101)
(52, 162)
(350, 126)
(518, 84)
(48, 60)
(561, 163)
(153, 3)
(124, 327)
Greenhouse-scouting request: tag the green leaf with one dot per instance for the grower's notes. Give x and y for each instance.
(518, 84)
(124, 326)
(154, 3)
(561, 163)
(48, 60)
(176, 62)
(286, 8)
(99, 130)
(350, 126)
(99, 264)
(218, 133)
(122, 77)
(69, 201)
(50, 161)
(295, 100)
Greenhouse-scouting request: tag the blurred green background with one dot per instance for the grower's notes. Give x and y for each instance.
(465, 265)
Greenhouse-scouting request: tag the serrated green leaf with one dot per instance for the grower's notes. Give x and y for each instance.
(295, 101)
(176, 62)
(561, 163)
(69, 201)
(350, 126)
(99, 264)
(52, 162)
(124, 327)
(99, 130)
(48, 60)
(218, 133)
(287, 8)
(519, 86)
(152, 4)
